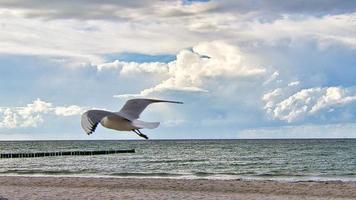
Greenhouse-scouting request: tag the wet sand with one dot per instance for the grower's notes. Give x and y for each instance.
(22, 187)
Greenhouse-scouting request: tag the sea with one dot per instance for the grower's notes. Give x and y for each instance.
(270, 159)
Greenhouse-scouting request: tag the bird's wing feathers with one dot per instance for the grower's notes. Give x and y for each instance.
(91, 119)
(134, 107)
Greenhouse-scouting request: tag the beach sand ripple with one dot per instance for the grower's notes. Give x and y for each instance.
(20, 187)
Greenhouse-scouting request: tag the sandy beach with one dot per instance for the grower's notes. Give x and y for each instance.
(21, 187)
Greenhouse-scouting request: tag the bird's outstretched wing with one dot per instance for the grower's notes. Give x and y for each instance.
(134, 107)
(91, 118)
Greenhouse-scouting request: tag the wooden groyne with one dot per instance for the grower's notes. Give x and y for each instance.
(64, 153)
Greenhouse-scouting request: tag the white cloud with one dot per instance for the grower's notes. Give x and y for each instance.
(121, 10)
(324, 30)
(83, 36)
(270, 98)
(192, 69)
(272, 78)
(38, 106)
(127, 68)
(109, 65)
(306, 102)
(68, 111)
(294, 83)
(32, 114)
(110, 10)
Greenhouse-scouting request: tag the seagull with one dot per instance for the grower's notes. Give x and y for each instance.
(124, 120)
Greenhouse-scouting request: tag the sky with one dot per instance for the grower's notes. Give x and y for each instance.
(244, 69)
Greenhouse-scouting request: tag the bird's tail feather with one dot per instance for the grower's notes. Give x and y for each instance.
(142, 124)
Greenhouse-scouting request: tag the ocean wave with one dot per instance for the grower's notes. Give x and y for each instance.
(177, 161)
(193, 175)
(136, 174)
(47, 172)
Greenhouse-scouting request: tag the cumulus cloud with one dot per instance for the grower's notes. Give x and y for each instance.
(306, 102)
(193, 68)
(32, 114)
(127, 68)
(68, 111)
(294, 83)
(272, 78)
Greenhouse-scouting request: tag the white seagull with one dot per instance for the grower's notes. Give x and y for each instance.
(124, 120)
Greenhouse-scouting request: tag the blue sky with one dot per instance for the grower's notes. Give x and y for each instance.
(256, 69)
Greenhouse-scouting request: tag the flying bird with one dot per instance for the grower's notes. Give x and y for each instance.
(124, 120)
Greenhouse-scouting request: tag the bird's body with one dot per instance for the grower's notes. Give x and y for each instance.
(124, 120)
(118, 123)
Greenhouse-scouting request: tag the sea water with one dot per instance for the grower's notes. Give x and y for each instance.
(284, 160)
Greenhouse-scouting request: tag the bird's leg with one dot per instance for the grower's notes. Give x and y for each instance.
(138, 132)
(142, 135)
(135, 130)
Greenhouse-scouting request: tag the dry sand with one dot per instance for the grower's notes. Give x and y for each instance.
(21, 187)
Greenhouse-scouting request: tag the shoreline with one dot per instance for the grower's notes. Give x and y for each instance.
(30, 187)
(222, 177)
